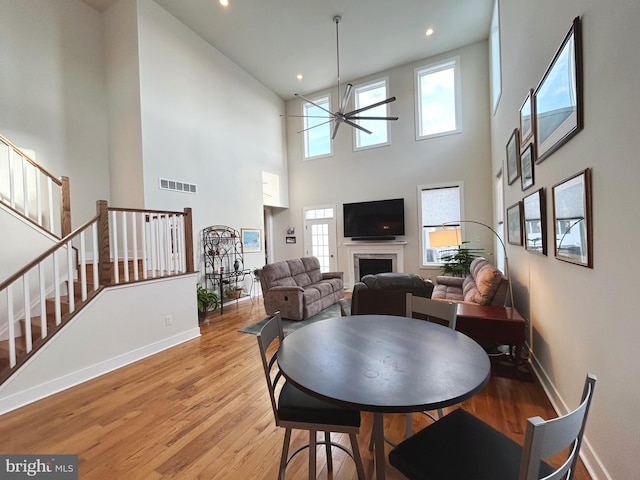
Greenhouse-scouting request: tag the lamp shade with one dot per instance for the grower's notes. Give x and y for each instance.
(445, 238)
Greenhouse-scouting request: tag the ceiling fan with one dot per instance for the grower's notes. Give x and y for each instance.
(341, 116)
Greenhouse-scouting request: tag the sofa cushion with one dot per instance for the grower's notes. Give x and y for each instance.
(277, 275)
(447, 292)
(312, 267)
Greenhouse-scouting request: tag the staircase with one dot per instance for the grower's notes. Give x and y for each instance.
(117, 246)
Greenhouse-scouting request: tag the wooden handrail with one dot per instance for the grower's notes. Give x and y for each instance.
(143, 210)
(31, 161)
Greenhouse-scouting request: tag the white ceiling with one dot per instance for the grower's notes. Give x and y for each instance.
(274, 40)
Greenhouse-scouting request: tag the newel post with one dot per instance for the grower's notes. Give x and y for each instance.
(188, 240)
(103, 243)
(65, 214)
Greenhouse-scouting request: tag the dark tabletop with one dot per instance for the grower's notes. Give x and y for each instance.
(383, 363)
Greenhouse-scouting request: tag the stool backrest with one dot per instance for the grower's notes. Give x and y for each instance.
(447, 312)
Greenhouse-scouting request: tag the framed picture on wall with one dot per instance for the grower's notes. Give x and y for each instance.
(513, 157)
(558, 97)
(535, 220)
(526, 119)
(514, 224)
(251, 240)
(526, 167)
(572, 223)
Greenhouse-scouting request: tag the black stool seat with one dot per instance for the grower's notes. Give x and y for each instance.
(460, 447)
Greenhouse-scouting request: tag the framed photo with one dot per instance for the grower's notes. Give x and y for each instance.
(526, 119)
(558, 97)
(251, 240)
(535, 220)
(289, 239)
(526, 167)
(514, 224)
(513, 157)
(572, 225)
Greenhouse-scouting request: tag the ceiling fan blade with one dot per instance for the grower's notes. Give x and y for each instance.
(323, 123)
(314, 104)
(307, 116)
(373, 118)
(368, 107)
(345, 98)
(335, 128)
(355, 125)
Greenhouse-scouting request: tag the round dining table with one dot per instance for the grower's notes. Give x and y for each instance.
(384, 364)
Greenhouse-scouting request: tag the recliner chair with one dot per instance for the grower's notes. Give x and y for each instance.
(366, 298)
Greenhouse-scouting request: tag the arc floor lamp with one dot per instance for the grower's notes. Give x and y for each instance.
(448, 237)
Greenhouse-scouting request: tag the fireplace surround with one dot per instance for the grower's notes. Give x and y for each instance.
(390, 251)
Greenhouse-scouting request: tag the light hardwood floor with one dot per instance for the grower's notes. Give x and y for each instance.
(201, 411)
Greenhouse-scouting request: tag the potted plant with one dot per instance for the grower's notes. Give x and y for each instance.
(233, 291)
(457, 261)
(206, 301)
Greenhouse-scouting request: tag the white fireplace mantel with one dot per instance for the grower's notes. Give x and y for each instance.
(393, 250)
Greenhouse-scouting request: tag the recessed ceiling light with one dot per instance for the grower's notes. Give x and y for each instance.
(429, 32)
(224, 3)
(299, 76)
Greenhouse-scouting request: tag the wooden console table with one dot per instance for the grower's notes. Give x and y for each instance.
(491, 325)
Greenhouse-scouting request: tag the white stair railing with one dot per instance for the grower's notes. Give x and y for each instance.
(31, 191)
(56, 283)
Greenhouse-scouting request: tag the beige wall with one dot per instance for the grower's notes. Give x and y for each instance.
(396, 170)
(583, 320)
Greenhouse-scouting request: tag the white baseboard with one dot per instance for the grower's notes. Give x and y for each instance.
(57, 385)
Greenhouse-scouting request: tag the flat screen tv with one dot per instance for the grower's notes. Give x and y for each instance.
(380, 219)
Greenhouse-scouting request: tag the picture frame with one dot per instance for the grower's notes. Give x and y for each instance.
(558, 97)
(289, 239)
(572, 219)
(527, 115)
(513, 157)
(526, 167)
(535, 222)
(514, 224)
(251, 240)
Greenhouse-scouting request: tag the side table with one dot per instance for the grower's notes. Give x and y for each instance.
(492, 324)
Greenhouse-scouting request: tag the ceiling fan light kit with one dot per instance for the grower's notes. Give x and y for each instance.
(341, 116)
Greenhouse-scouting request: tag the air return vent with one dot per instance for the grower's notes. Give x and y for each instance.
(177, 186)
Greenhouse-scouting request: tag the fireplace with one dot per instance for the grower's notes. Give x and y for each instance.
(371, 266)
(371, 258)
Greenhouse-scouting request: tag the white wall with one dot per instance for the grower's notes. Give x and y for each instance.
(125, 126)
(396, 170)
(53, 93)
(583, 320)
(205, 121)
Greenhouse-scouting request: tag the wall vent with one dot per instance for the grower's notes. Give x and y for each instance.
(177, 186)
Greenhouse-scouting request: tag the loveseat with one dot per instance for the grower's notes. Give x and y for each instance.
(298, 289)
(485, 285)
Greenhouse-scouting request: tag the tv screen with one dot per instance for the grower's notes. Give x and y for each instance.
(381, 219)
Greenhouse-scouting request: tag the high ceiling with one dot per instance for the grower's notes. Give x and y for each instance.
(275, 40)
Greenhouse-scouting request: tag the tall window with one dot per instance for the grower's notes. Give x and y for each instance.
(366, 95)
(317, 128)
(438, 102)
(494, 57)
(439, 204)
